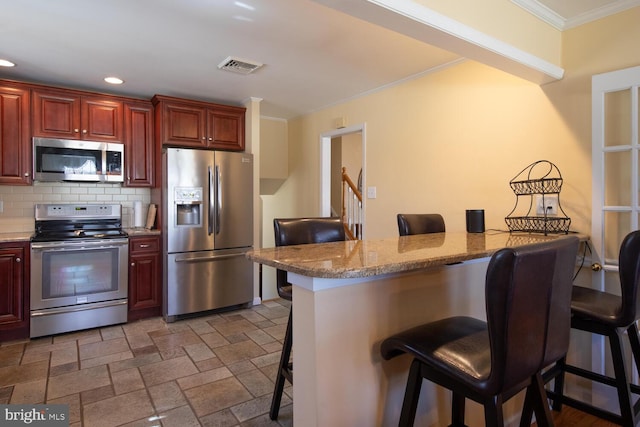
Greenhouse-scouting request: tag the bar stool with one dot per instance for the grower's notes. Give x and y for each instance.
(409, 224)
(297, 231)
(527, 292)
(607, 315)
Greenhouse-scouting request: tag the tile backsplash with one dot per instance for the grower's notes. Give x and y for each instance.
(18, 201)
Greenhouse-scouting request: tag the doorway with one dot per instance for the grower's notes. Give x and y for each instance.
(348, 140)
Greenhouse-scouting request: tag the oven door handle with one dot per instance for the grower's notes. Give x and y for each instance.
(65, 246)
(73, 308)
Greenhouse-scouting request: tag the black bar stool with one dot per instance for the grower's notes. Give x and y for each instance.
(297, 231)
(611, 316)
(527, 291)
(409, 224)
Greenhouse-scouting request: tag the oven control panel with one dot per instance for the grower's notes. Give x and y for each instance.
(70, 211)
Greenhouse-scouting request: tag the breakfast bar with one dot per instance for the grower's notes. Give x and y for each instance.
(349, 296)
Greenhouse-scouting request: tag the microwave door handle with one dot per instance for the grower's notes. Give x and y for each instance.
(210, 208)
(218, 198)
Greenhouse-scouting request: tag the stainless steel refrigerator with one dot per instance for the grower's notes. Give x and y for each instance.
(208, 227)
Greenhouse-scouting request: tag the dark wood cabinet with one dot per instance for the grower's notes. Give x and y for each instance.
(14, 291)
(71, 114)
(139, 144)
(197, 124)
(145, 273)
(15, 140)
(226, 128)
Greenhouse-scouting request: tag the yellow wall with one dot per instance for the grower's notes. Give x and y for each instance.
(453, 140)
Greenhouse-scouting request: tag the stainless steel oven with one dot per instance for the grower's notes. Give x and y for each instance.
(79, 258)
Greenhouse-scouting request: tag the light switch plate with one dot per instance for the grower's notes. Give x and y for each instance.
(371, 192)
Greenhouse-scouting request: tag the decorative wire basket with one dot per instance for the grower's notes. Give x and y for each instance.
(539, 178)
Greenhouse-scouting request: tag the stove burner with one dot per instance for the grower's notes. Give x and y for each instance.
(64, 223)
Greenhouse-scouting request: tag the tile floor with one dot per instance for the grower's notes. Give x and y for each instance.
(214, 370)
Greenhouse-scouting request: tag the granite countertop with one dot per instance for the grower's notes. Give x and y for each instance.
(137, 232)
(16, 237)
(365, 258)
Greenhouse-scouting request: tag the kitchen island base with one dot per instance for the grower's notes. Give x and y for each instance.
(340, 377)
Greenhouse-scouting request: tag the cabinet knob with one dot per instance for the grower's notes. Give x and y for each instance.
(26, 174)
(84, 131)
(210, 139)
(144, 246)
(132, 264)
(76, 130)
(18, 260)
(203, 138)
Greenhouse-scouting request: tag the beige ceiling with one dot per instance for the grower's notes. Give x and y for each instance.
(314, 55)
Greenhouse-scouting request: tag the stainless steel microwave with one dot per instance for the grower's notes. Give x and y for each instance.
(77, 160)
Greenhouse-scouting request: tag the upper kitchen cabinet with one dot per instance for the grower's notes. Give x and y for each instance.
(15, 142)
(71, 114)
(139, 144)
(185, 123)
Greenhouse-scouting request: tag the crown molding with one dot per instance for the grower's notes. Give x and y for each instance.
(564, 23)
(471, 43)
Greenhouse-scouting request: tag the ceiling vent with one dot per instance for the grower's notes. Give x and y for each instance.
(237, 65)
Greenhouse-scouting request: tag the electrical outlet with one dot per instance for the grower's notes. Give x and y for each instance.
(547, 204)
(371, 192)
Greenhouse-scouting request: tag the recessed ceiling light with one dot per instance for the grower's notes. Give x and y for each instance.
(113, 80)
(244, 5)
(6, 63)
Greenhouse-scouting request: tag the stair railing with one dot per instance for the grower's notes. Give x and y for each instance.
(352, 215)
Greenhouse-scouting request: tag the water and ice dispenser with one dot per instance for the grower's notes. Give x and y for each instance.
(189, 206)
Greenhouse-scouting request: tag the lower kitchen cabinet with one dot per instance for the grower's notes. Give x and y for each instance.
(14, 291)
(145, 281)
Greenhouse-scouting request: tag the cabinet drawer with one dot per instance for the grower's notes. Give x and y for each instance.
(144, 244)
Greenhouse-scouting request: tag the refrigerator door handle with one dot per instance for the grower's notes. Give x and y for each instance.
(218, 198)
(210, 207)
(207, 258)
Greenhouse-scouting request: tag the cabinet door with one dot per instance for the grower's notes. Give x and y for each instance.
(56, 114)
(145, 286)
(226, 129)
(184, 125)
(15, 143)
(14, 293)
(139, 149)
(102, 120)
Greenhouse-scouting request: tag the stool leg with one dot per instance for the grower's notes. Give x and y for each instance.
(527, 408)
(457, 409)
(558, 385)
(622, 380)
(411, 395)
(283, 366)
(493, 416)
(634, 339)
(536, 400)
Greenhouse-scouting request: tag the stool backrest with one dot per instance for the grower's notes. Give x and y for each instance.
(528, 303)
(300, 231)
(629, 271)
(409, 224)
